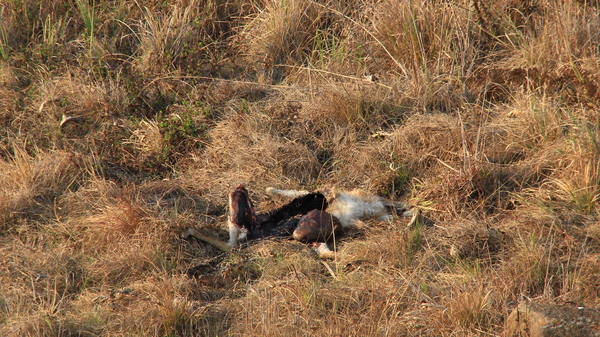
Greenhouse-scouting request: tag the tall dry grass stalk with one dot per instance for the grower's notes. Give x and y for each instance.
(87, 11)
(52, 32)
(284, 32)
(568, 34)
(581, 181)
(438, 58)
(4, 48)
(163, 38)
(33, 182)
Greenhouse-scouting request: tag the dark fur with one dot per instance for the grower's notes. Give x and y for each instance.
(278, 222)
(242, 208)
(282, 221)
(298, 206)
(316, 226)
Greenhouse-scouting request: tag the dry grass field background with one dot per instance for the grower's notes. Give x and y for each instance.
(483, 114)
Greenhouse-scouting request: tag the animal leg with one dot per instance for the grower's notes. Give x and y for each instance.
(236, 234)
(323, 250)
(287, 193)
(241, 215)
(385, 217)
(212, 241)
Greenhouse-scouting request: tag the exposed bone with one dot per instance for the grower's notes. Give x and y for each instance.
(417, 219)
(382, 134)
(67, 119)
(212, 241)
(41, 108)
(323, 250)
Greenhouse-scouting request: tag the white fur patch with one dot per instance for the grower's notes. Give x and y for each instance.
(352, 206)
(349, 207)
(236, 234)
(287, 193)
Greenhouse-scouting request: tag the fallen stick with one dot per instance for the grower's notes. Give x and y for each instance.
(329, 269)
(212, 241)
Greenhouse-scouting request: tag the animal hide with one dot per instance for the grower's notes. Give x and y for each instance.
(349, 207)
(244, 224)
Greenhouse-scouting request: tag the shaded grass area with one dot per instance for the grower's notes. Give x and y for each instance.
(122, 123)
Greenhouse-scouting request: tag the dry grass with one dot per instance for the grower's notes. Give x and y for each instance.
(482, 114)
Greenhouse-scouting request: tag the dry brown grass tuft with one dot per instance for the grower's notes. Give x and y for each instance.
(287, 32)
(332, 304)
(179, 37)
(78, 96)
(471, 308)
(33, 183)
(244, 149)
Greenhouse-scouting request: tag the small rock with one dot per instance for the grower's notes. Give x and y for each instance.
(544, 320)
